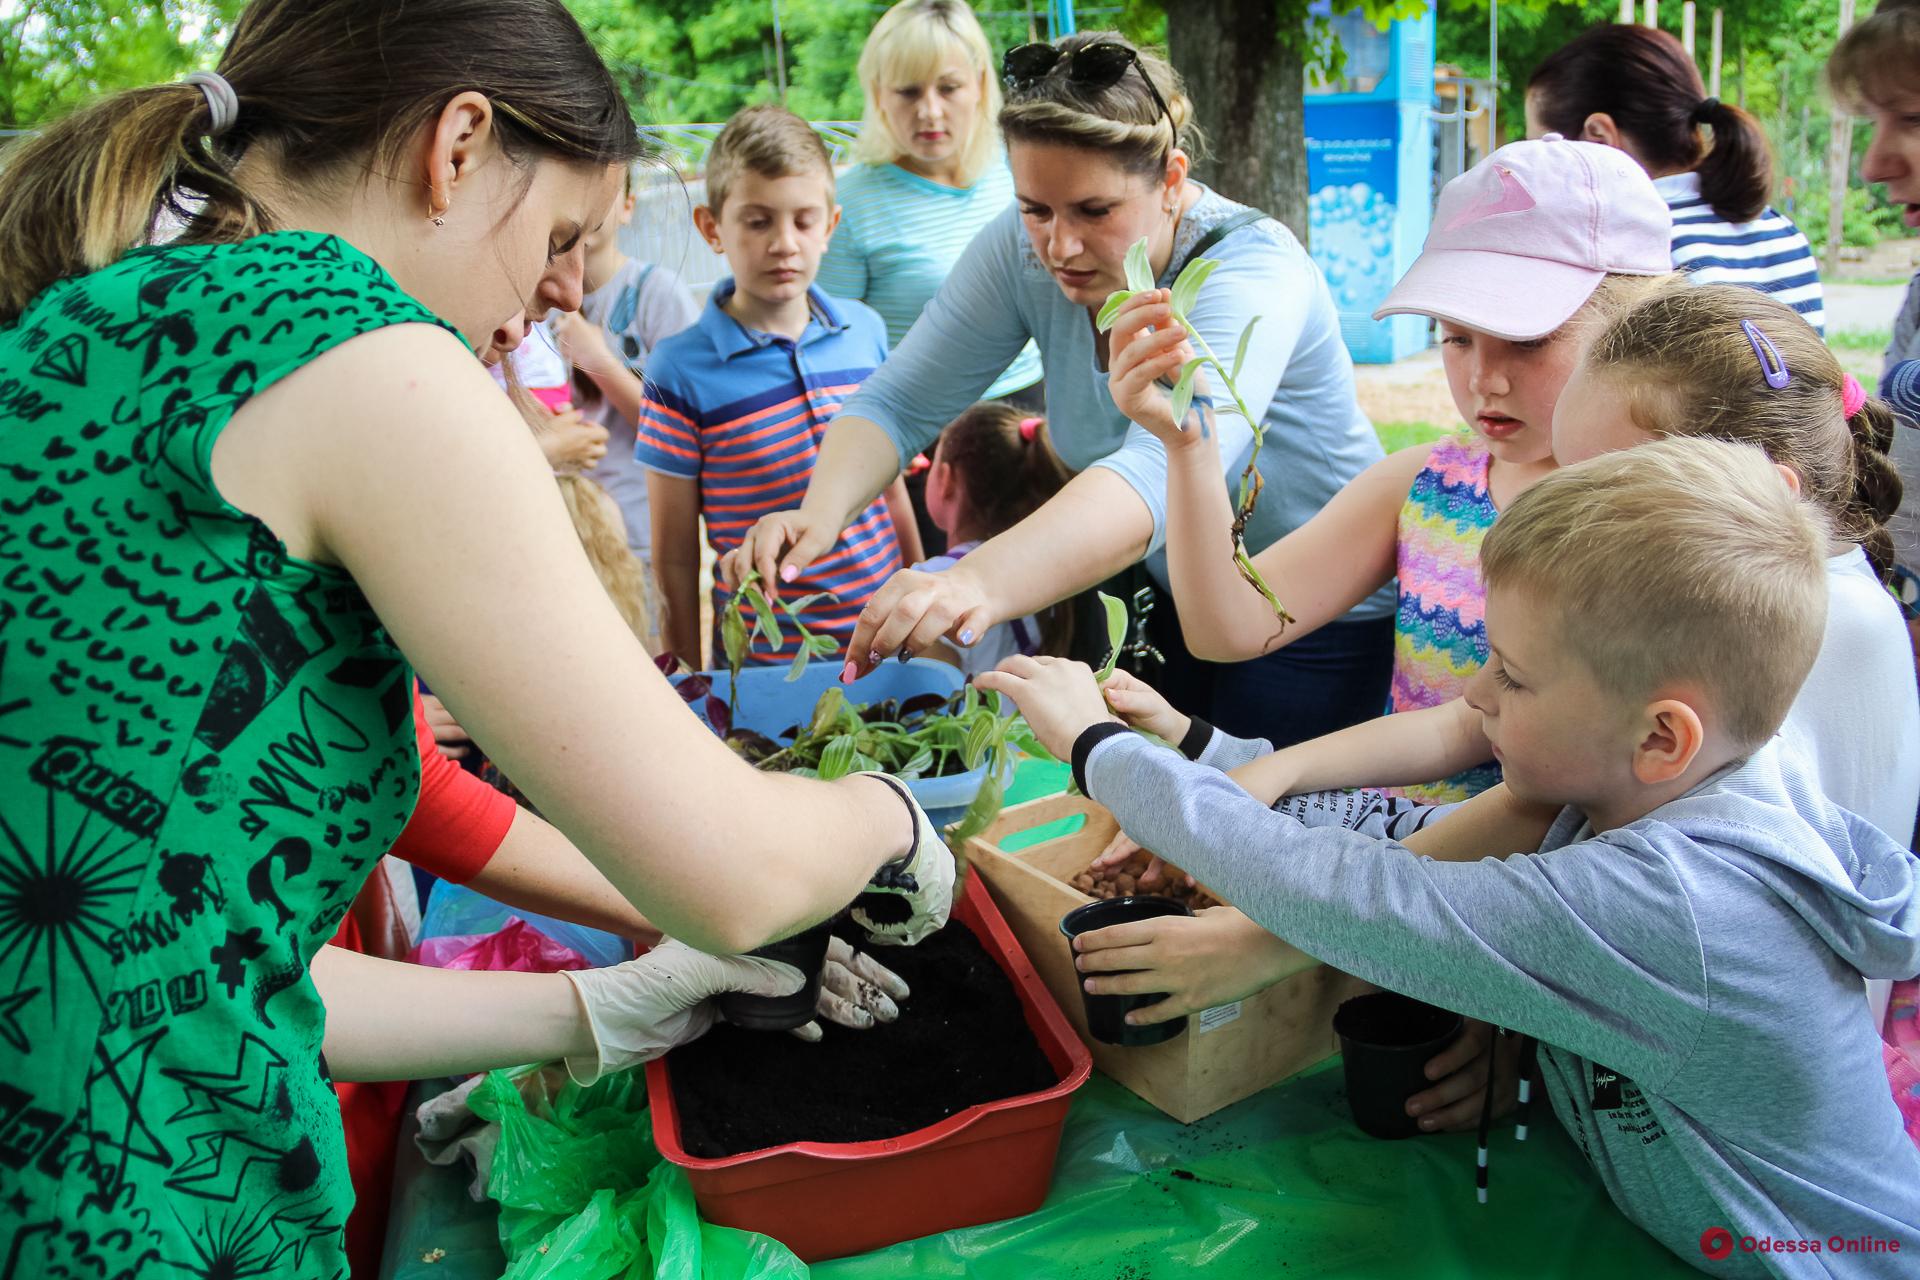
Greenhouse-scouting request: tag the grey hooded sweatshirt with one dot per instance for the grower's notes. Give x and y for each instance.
(1693, 979)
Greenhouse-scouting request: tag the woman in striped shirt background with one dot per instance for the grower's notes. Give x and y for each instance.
(1636, 88)
(931, 171)
(930, 174)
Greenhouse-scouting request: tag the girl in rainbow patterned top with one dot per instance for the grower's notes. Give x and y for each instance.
(1528, 247)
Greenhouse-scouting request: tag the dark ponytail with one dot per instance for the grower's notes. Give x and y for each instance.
(1877, 487)
(332, 90)
(1644, 79)
(1736, 178)
(1007, 466)
(1009, 469)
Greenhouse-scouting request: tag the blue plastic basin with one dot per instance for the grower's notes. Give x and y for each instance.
(773, 705)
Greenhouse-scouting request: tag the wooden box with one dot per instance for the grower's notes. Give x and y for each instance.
(1226, 1053)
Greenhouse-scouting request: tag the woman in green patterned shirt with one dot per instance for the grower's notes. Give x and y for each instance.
(241, 473)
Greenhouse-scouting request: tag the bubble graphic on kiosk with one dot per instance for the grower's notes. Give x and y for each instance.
(1353, 242)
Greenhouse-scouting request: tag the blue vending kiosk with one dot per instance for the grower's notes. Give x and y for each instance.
(1370, 176)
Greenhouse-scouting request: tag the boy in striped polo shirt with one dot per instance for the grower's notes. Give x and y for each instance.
(736, 405)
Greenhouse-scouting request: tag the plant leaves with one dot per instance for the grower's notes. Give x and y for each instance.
(979, 737)
(827, 710)
(984, 809)
(766, 620)
(921, 703)
(837, 760)
(1110, 309)
(1116, 627)
(1240, 356)
(1187, 288)
(733, 637)
(1183, 390)
(799, 666)
(823, 646)
(719, 715)
(1139, 266)
(917, 764)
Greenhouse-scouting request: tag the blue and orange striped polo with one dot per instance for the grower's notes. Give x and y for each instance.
(743, 413)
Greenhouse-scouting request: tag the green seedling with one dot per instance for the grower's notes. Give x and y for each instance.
(1186, 290)
(925, 737)
(1116, 633)
(735, 632)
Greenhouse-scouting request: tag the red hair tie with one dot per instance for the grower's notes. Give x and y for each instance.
(1028, 426)
(1853, 396)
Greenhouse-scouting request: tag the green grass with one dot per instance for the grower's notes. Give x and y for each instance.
(1860, 339)
(1896, 281)
(1395, 436)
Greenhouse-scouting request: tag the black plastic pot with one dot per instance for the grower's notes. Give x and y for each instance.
(1385, 1042)
(1107, 1015)
(806, 952)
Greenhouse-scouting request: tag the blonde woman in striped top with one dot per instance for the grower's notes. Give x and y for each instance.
(931, 171)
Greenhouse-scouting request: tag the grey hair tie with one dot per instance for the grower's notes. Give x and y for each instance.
(223, 104)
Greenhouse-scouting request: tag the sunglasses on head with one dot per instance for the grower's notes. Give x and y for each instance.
(1091, 66)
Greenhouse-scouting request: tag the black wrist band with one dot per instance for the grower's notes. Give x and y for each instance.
(1090, 737)
(1199, 734)
(913, 816)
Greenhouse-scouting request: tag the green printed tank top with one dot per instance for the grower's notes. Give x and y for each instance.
(205, 744)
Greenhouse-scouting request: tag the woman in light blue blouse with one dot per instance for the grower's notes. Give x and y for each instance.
(931, 174)
(1093, 128)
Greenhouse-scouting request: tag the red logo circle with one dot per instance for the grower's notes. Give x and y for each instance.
(1716, 1243)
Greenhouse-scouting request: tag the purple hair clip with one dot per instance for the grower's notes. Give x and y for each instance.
(1772, 367)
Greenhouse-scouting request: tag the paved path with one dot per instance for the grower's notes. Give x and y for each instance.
(1862, 308)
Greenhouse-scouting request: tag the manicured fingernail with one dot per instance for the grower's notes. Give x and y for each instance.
(1429, 1123)
(904, 653)
(848, 672)
(789, 573)
(1414, 1108)
(966, 637)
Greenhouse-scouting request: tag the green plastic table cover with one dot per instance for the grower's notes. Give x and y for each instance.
(1281, 1184)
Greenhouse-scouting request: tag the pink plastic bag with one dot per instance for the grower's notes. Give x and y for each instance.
(515, 947)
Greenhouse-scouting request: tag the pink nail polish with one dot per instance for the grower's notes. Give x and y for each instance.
(789, 573)
(847, 673)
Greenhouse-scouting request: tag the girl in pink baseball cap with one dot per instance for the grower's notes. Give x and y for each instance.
(1526, 247)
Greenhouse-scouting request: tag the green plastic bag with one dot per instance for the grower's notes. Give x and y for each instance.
(684, 1247)
(584, 1194)
(573, 1161)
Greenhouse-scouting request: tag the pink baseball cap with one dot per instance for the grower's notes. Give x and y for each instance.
(1520, 241)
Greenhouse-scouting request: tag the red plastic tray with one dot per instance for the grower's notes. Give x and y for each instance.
(991, 1161)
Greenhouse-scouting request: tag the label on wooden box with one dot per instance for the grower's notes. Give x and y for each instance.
(1217, 1017)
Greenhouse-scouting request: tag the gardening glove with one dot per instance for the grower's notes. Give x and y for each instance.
(856, 991)
(450, 1131)
(909, 898)
(641, 1009)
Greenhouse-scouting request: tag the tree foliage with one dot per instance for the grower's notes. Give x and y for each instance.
(1773, 58)
(57, 54)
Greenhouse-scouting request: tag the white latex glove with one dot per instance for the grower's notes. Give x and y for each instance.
(910, 897)
(644, 1007)
(856, 991)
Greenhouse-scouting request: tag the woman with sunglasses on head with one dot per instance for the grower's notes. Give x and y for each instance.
(237, 323)
(1097, 135)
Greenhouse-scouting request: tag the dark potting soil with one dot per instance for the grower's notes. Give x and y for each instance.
(961, 1039)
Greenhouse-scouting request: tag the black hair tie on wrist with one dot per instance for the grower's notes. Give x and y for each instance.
(1703, 114)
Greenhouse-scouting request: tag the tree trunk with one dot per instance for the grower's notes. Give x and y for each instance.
(1247, 85)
